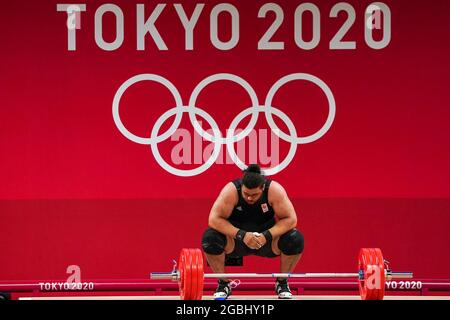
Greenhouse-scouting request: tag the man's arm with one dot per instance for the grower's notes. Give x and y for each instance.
(222, 209)
(284, 210)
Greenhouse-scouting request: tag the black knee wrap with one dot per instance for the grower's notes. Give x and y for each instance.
(213, 242)
(291, 242)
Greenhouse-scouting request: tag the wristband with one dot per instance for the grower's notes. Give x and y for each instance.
(240, 235)
(267, 235)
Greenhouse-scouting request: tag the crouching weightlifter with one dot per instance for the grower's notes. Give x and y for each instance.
(253, 216)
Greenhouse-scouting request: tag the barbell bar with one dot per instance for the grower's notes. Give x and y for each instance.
(373, 271)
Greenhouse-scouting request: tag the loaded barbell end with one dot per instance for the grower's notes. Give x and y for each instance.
(174, 275)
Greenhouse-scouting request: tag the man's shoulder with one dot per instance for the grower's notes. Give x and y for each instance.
(276, 191)
(229, 188)
(236, 182)
(228, 193)
(276, 185)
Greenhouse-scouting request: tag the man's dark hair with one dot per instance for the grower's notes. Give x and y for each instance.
(253, 177)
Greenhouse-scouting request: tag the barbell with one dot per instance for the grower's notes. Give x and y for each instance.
(373, 272)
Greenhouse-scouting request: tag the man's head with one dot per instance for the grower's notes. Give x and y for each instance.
(252, 184)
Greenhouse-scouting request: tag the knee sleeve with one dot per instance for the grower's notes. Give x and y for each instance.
(291, 242)
(213, 242)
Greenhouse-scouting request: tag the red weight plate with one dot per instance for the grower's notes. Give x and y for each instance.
(372, 263)
(366, 261)
(372, 293)
(200, 273)
(192, 258)
(362, 266)
(181, 269)
(374, 267)
(185, 275)
(380, 263)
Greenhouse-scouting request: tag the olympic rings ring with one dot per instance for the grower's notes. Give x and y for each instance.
(209, 80)
(217, 138)
(129, 83)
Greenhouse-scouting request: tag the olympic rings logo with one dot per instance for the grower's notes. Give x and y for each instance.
(217, 139)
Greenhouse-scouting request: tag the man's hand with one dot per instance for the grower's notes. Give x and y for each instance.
(254, 240)
(260, 238)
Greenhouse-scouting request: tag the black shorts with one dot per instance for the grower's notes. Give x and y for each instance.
(241, 250)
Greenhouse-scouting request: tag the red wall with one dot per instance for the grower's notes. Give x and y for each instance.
(127, 239)
(74, 190)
